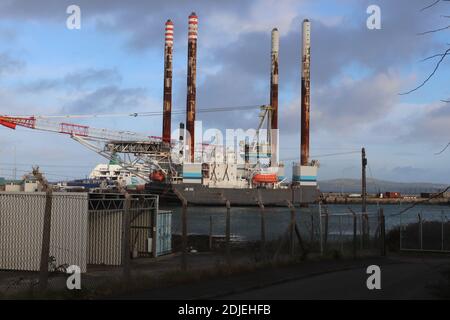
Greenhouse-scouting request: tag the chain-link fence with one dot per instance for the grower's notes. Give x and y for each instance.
(425, 230)
(274, 232)
(352, 233)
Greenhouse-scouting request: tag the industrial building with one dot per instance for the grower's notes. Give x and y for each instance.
(27, 184)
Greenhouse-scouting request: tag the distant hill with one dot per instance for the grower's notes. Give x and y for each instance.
(374, 186)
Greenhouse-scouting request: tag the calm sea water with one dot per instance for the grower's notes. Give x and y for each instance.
(246, 222)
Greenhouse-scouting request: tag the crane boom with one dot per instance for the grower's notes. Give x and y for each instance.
(73, 129)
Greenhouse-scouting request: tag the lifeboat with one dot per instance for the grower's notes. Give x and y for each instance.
(157, 176)
(265, 178)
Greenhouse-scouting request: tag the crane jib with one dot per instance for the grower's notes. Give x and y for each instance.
(73, 129)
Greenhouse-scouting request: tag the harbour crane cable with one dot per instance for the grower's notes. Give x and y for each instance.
(49, 173)
(2, 164)
(326, 155)
(140, 114)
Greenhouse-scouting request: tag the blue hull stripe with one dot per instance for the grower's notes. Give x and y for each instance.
(192, 175)
(305, 178)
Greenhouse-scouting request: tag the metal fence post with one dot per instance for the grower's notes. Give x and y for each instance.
(46, 233)
(354, 235)
(420, 231)
(184, 236)
(263, 228)
(126, 221)
(442, 230)
(382, 233)
(340, 235)
(228, 231)
(361, 231)
(400, 233)
(320, 229)
(155, 229)
(292, 229)
(365, 242)
(325, 242)
(210, 232)
(46, 229)
(184, 239)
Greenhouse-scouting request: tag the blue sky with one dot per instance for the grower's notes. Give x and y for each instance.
(114, 65)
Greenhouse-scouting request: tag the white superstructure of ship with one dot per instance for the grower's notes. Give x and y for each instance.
(115, 173)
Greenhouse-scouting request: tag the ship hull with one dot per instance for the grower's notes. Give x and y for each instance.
(196, 194)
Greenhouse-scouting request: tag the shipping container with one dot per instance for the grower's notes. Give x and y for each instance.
(392, 195)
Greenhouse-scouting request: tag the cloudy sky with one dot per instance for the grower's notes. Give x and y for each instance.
(114, 65)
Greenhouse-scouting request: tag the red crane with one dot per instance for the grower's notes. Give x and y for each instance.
(72, 129)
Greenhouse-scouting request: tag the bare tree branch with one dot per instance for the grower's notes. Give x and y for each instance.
(444, 55)
(443, 150)
(432, 57)
(431, 5)
(433, 31)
